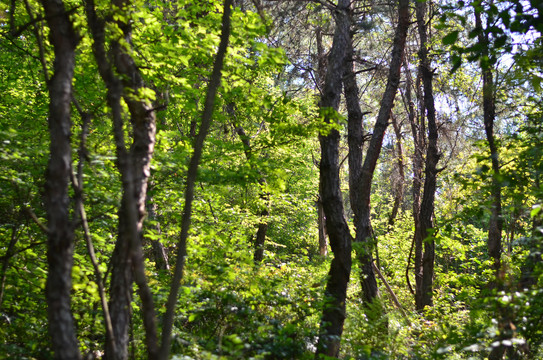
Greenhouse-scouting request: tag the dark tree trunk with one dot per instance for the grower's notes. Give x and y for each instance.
(10, 252)
(363, 185)
(323, 248)
(262, 229)
(333, 316)
(57, 202)
(417, 171)
(320, 77)
(134, 165)
(425, 243)
(495, 225)
(397, 184)
(192, 172)
(159, 253)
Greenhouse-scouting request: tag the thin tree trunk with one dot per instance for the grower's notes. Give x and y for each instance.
(10, 252)
(159, 253)
(323, 248)
(321, 75)
(398, 184)
(333, 317)
(363, 184)
(417, 169)
(262, 228)
(57, 202)
(425, 269)
(77, 184)
(213, 86)
(495, 226)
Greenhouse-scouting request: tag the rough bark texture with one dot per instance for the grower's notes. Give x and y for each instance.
(323, 248)
(363, 184)
(424, 273)
(333, 316)
(57, 202)
(417, 169)
(213, 86)
(134, 165)
(320, 77)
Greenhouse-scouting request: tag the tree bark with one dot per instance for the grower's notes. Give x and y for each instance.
(134, 166)
(320, 77)
(159, 253)
(262, 228)
(364, 182)
(417, 169)
(321, 218)
(495, 225)
(424, 273)
(212, 89)
(398, 184)
(333, 317)
(60, 240)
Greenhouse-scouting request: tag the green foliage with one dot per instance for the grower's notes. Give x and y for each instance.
(230, 308)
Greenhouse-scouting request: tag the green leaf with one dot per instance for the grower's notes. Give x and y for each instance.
(450, 38)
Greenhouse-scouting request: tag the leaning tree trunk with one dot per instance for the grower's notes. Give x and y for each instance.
(333, 316)
(214, 83)
(424, 272)
(60, 240)
(364, 182)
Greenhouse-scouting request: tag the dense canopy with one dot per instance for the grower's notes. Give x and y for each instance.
(278, 179)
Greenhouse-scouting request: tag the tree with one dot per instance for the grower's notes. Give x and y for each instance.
(363, 183)
(333, 315)
(59, 224)
(424, 242)
(207, 113)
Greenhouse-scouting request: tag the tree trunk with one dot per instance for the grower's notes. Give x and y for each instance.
(262, 229)
(323, 248)
(320, 77)
(417, 171)
(212, 89)
(60, 241)
(333, 316)
(495, 225)
(134, 166)
(397, 184)
(159, 253)
(425, 267)
(363, 184)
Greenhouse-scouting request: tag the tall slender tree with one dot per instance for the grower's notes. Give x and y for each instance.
(362, 185)
(213, 87)
(333, 316)
(424, 242)
(60, 244)
(123, 81)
